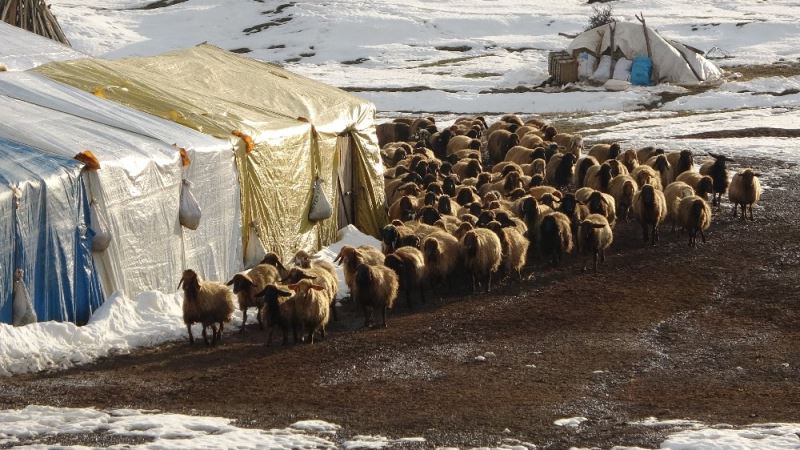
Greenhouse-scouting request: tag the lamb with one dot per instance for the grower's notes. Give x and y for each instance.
(278, 312)
(623, 188)
(604, 152)
(404, 208)
(482, 253)
(409, 265)
(247, 285)
(555, 236)
(719, 173)
(595, 237)
(680, 162)
(514, 248)
(441, 256)
(457, 143)
(581, 168)
(650, 209)
(560, 169)
(694, 215)
(629, 159)
(647, 175)
(375, 288)
(673, 194)
(351, 258)
(311, 307)
(499, 142)
(745, 189)
(661, 165)
(205, 302)
(702, 184)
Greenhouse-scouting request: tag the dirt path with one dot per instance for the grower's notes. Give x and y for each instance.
(677, 333)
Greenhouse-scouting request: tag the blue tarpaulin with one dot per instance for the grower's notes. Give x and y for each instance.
(46, 235)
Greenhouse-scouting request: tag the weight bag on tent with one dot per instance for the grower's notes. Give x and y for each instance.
(102, 234)
(23, 308)
(189, 212)
(320, 206)
(641, 69)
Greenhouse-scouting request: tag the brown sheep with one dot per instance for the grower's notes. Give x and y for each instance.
(375, 288)
(205, 302)
(514, 248)
(650, 209)
(604, 152)
(482, 253)
(404, 208)
(629, 160)
(441, 253)
(644, 154)
(409, 265)
(278, 312)
(703, 185)
(673, 195)
(647, 175)
(661, 164)
(555, 236)
(499, 143)
(595, 236)
(623, 188)
(581, 167)
(679, 162)
(694, 215)
(745, 190)
(247, 285)
(392, 132)
(560, 169)
(457, 143)
(311, 307)
(350, 258)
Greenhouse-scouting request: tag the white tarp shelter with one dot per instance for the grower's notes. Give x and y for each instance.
(673, 62)
(23, 50)
(138, 184)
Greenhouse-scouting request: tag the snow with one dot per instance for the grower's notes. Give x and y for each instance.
(572, 422)
(754, 437)
(120, 325)
(317, 426)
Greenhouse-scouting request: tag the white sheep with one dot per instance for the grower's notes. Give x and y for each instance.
(744, 191)
(206, 302)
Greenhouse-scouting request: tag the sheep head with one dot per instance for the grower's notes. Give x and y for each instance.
(390, 236)
(428, 215)
(705, 186)
(471, 243)
(302, 259)
(190, 282)
(648, 194)
(303, 287)
(445, 206)
(241, 282)
(614, 150)
(273, 260)
(272, 292)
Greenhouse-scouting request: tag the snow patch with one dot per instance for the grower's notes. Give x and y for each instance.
(572, 422)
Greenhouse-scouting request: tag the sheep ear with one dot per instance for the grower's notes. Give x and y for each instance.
(292, 286)
(598, 225)
(284, 293)
(180, 283)
(756, 174)
(229, 283)
(317, 287)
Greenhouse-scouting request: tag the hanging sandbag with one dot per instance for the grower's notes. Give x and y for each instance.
(99, 225)
(189, 212)
(320, 206)
(253, 252)
(23, 313)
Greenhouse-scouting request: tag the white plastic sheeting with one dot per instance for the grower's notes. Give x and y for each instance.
(23, 50)
(214, 249)
(672, 62)
(138, 187)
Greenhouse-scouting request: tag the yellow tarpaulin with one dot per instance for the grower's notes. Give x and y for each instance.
(295, 127)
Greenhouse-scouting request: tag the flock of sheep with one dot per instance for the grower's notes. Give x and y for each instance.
(479, 201)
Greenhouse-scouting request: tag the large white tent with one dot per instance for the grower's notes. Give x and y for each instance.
(673, 62)
(22, 50)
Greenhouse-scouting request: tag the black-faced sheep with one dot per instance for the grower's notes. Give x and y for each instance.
(581, 167)
(603, 204)
(278, 312)
(247, 285)
(458, 143)
(311, 307)
(394, 237)
(650, 209)
(514, 248)
(744, 191)
(555, 236)
(559, 170)
(644, 154)
(350, 258)
(392, 132)
(647, 175)
(375, 289)
(205, 302)
(673, 195)
(404, 208)
(717, 170)
(629, 160)
(530, 140)
(273, 260)
(703, 185)
(499, 143)
(679, 162)
(442, 256)
(572, 143)
(482, 253)
(661, 165)
(694, 215)
(409, 265)
(469, 168)
(595, 236)
(604, 152)
(623, 188)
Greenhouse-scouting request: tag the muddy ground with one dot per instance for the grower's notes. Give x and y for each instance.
(711, 334)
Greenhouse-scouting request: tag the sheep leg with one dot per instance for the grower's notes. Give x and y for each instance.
(366, 315)
(735, 209)
(489, 283)
(645, 233)
(269, 337)
(474, 284)
(205, 335)
(703, 235)
(244, 320)
(294, 332)
(333, 310)
(383, 311)
(594, 258)
(322, 332)
(191, 337)
(422, 293)
(751, 212)
(213, 334)
(258, 316)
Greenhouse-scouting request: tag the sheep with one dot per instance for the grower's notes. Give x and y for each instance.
(404, 208)
(311, 307)
(673, 194)
(702, 184)
(520, 155)
(694, 215)
(530, 140)
(629, 160)
(206, 302)
(647, 175)
(467, 168)
(555, 236)
(650, 209)
(273, 260)
(394, 237)
(536, 167)
(661, 164)
(247, 285)
(482, 254)
(409, 265)
(603, 204)
(679, 162)
(350, 257)
(595, 237)
(538, 191)
(525, 129)
(423, 123)
(745, 189)
(498, 144)
(445, 205)
(323, 274)
(438, 142)
(278, 312)
(512, 118)
(441, 254)
(581, 167)
(505, 185)
(514, 248)
(559, 170)
(719, 173)
(582, 194)
(392, 132)
(572, 143)
(375, 287)
(409, 189)
(457, 143)
(623, 188)
(504, 167)
(549, 133)
(598, 177)
(644, 154)
(604, 152)
(576, 212)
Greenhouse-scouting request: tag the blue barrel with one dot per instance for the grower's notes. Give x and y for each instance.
(641, 69)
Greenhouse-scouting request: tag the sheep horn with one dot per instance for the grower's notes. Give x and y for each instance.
(180, 283)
